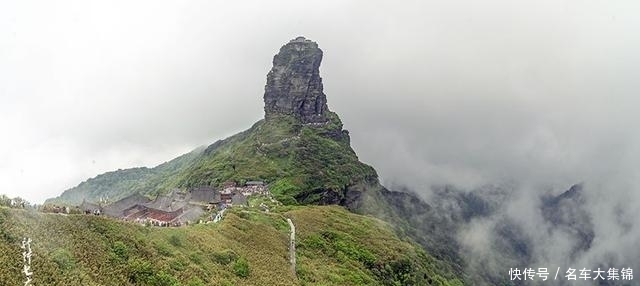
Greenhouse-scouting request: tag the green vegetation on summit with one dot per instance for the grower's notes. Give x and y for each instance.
(291, 156)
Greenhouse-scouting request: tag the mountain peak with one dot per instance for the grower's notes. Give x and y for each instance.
(294, 85)
(300, 149)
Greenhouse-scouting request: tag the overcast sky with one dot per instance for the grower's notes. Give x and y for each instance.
(433, 92)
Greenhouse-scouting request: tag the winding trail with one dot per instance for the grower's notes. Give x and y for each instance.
(219, 216)
(292, 247)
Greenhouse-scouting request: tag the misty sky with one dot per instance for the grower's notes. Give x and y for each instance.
(433, 92)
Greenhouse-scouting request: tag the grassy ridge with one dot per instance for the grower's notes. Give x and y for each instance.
(248, 247)
(282, 151)
(348, 249)
(291, 156)
(121, 183)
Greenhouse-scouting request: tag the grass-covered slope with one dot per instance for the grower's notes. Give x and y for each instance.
(346, 249)
(248, 247)
(121, 183)
(291, 156)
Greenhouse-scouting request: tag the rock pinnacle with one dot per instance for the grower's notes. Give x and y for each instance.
(294, 85)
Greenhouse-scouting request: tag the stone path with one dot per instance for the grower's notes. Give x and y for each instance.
(292, 247)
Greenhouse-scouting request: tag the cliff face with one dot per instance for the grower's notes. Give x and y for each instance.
(294, 85)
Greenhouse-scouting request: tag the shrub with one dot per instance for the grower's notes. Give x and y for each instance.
(63, 259)
(195, 282)
(121, 250)
(224, 257)
(241, 268)
(163, 249)
(196, 258)
(176, 240)
(140, 272)
(164, 279)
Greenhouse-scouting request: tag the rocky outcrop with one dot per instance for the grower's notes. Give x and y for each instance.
(567, 213)
(294, 85)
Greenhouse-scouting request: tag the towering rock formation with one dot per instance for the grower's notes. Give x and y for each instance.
(294, 85)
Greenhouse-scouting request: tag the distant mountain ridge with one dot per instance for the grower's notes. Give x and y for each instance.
(118, 184)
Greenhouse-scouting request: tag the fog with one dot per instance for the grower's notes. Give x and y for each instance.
(541, 94)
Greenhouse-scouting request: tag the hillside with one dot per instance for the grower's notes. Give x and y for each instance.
(121, 183)
(248, 247)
